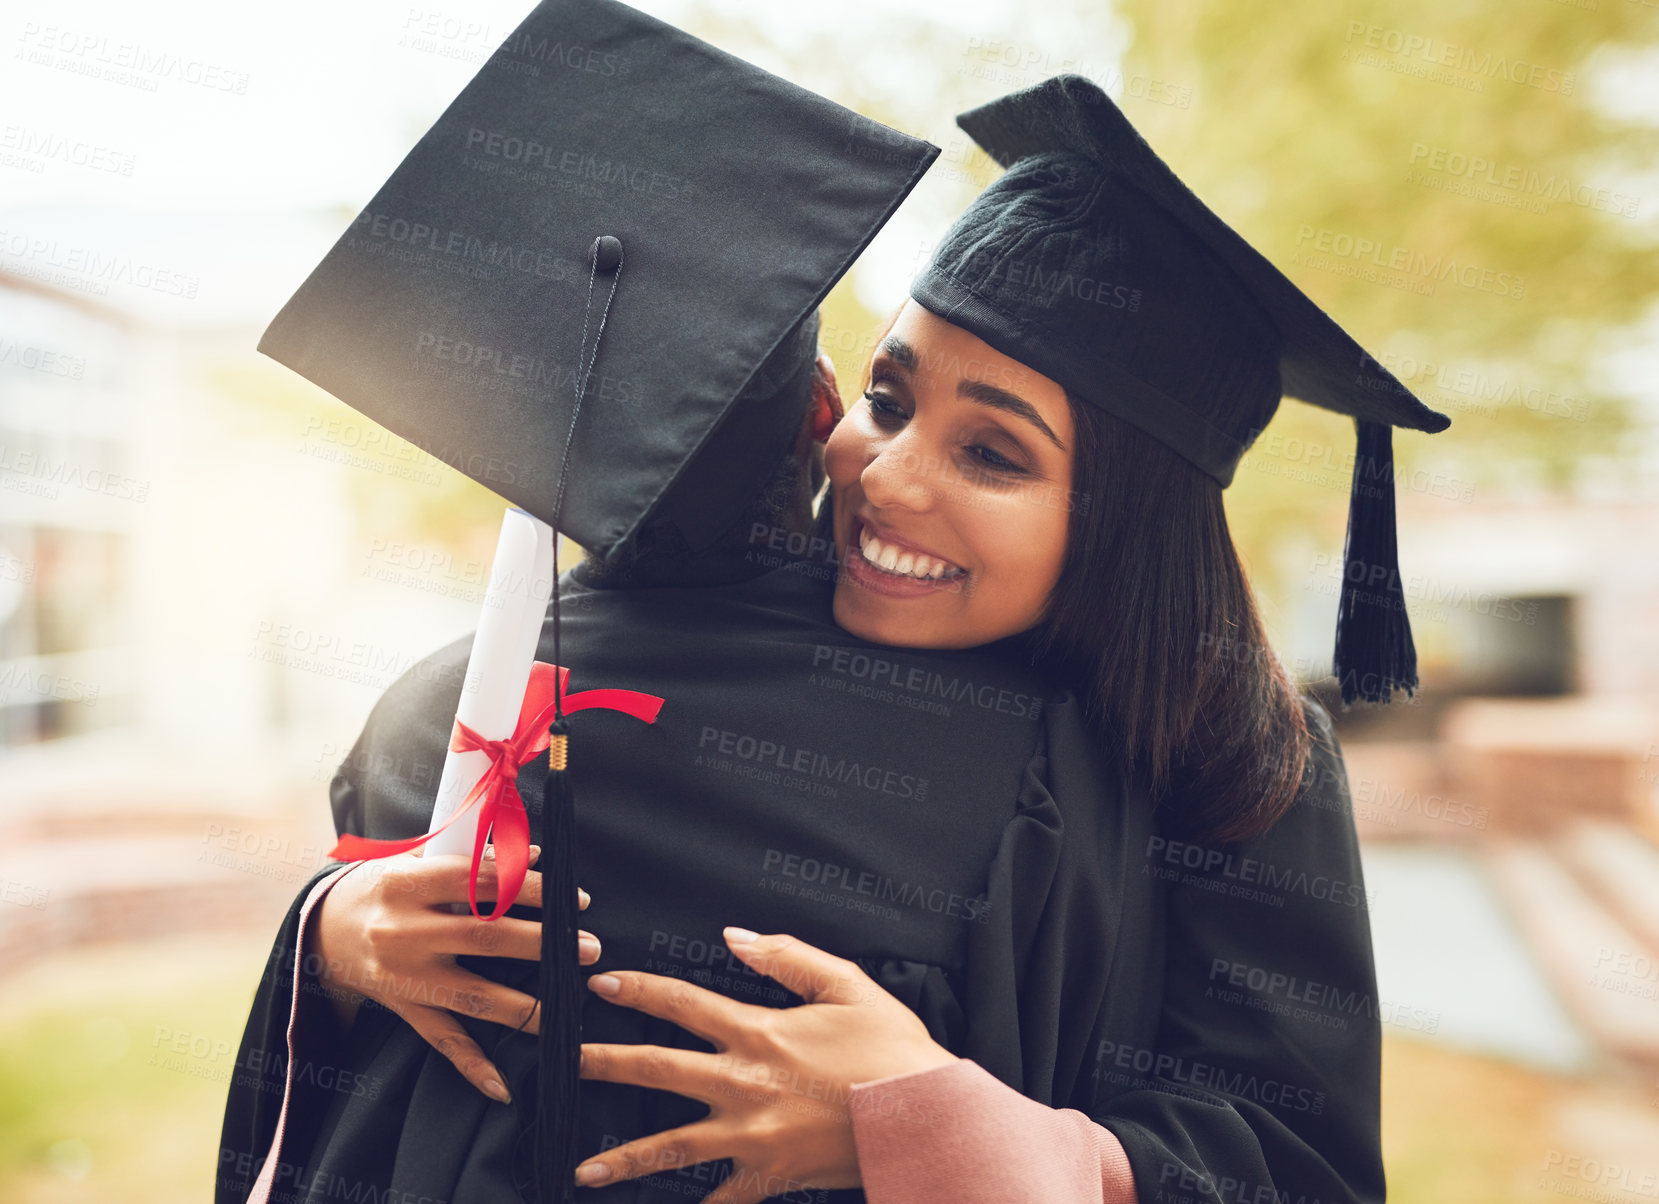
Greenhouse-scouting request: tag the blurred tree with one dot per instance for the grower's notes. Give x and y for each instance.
(1403, 124)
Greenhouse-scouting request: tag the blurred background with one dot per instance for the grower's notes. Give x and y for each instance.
(210, 570)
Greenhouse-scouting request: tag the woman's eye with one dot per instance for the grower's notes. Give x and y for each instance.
(883, 409)
(985, 460)
(993, 460)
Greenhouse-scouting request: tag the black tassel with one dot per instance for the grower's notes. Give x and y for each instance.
(1374, 651)
(558, 1049)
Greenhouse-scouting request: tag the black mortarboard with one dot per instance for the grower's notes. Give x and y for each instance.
(1091, 262)
(582, 288)
(453, 310)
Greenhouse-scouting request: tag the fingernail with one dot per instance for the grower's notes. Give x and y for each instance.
(740, 936)
(497, 1090)
(589, 945)
(605, 984)
(489, 852)
(592, 1172)
(535, 851)
(583, 897)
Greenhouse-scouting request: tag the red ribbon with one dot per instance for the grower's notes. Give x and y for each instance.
(502, 809)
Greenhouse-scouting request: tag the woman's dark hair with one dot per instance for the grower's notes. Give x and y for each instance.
(1153, 619)
(1153, 623)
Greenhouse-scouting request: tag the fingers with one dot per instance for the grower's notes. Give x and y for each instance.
(812, 973)
(443, 1032)
(712, 1016)
(458, 990)
(443, 879)
(687, 1072)
(668, 1150)
(506, 937)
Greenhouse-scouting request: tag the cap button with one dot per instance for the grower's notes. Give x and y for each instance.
(606, 253)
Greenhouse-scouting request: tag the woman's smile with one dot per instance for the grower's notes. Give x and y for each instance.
(882, 561)
(943, 540)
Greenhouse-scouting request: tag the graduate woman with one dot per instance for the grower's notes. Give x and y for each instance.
(1039, 453)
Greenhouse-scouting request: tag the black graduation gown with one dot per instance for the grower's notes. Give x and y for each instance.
(947, 821)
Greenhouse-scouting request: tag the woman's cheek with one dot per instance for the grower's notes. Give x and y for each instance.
(843, 460)
(1032, 539)
(1052, 558)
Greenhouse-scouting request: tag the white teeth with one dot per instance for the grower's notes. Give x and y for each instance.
(906, 564)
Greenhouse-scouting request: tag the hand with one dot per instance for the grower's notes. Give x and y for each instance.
(779, 1080)
(385, 931)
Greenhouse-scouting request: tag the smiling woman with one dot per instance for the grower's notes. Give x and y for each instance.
(974, 499)
(945, 543)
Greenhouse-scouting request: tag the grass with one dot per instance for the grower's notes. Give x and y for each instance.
(1462, 1128)
(96, 1104)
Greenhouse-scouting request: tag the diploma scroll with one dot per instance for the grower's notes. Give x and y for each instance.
(515, 604)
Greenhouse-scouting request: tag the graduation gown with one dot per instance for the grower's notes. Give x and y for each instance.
(948, 821)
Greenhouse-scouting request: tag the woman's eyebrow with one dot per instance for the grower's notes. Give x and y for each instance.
(1009, 403)
(900, 352)
(904, 356)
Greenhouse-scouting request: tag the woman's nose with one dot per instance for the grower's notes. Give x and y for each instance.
(901, 475)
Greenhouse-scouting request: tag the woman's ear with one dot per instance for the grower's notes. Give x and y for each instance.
(826, 399)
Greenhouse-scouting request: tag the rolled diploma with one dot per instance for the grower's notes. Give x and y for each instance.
(515, 603)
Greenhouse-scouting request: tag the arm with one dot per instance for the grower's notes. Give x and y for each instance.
(285, 1017)
(999, 1147)
(289, 1015)
(938, 1128)
(368, 941)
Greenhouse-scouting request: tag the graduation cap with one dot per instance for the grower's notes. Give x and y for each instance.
(452, 310)
(582, 288)
(1091, 262)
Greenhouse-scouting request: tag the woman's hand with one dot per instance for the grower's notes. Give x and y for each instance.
(780, 1080)
(385, 931)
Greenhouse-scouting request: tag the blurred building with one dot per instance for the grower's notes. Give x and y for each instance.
(192, 630)
(75, 376)
(1511, 811)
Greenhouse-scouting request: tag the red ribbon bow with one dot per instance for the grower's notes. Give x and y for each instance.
(503, 809)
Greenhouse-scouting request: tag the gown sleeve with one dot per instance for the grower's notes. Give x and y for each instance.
(291, 1027)
(1264, 1081)
(956, 1134)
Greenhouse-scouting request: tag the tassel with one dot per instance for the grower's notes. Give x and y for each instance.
(559, 1046)
(1374, 652)
(558, 1049)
